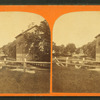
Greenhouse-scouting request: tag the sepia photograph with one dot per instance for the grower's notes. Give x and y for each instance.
(76, 53)
(25, 42)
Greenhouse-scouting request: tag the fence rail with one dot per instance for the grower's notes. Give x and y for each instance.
(78, 63)
(24, 64)
(28, 62)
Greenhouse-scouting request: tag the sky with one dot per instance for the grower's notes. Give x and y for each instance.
(77, 27)
(14, 23)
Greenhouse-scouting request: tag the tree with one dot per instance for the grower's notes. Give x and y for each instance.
(38, 42)
(59, 50)
(77, 50)
(45, 40)
(10, 49)
(70, 48)
(90, 49)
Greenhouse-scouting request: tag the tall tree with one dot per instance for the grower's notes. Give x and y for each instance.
(38, 42)
(70, 48)
(90, 49)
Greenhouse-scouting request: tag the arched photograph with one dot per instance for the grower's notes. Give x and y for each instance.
(24, 53)
(76, 53)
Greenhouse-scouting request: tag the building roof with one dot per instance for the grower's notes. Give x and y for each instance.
(25, 31)
(97, 35)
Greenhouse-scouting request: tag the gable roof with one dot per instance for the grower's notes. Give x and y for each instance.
(25, 31)
(97, 35)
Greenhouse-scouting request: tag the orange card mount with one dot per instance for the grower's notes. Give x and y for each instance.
(50, 13)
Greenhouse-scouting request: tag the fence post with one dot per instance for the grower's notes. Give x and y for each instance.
(4, 64)
(24, 64)
(5, 61)
(83, 60)
(66, 61)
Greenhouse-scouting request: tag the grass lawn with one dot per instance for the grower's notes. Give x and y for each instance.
(71, 80)
(20, 82)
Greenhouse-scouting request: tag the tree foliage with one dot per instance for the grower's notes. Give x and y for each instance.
(38, 42)
(90, 49)
(64, 50)
(70, 48)
(10, 49)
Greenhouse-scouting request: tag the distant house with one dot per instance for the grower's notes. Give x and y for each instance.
(20, 45)
(81, 54)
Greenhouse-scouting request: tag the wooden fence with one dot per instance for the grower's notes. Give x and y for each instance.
(78, 63)
(31, 65)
